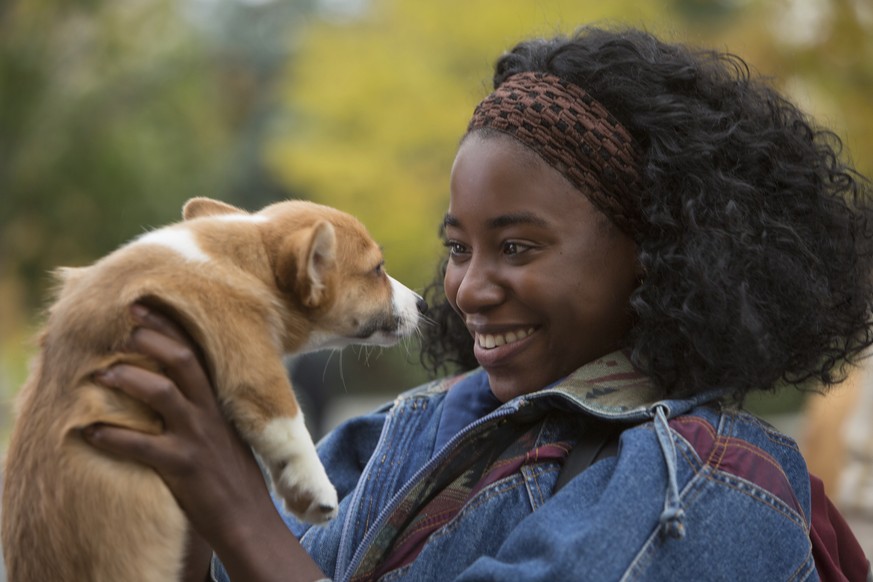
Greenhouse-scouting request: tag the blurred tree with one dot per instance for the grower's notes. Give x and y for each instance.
(103, 130)
(250, 41)
(380, 95)
(114, 113)
(382, 90)
(820, 53)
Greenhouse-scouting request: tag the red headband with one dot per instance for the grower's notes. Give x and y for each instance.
(574, 134)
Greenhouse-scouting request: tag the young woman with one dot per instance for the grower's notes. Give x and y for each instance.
(639, 234)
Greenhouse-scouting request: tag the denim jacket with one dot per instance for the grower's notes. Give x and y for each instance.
(697, 491)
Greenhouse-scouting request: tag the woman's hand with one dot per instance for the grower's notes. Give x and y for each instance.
(208, 468)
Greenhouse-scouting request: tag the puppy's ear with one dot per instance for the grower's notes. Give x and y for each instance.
(197, 207)
(66, 277)
(307, 257)
(68, 274)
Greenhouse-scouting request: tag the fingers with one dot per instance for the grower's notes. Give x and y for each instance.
(170, 456)
(155, 390)
(154, 320)
(165, 342)
(126, 443)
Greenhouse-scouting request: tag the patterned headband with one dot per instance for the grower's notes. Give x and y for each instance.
(574, 134)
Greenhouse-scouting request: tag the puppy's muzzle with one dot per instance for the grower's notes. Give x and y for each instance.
(400, 324)
(407, 308)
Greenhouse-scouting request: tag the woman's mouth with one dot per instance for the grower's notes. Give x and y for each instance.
(493, 340)
(498, 349)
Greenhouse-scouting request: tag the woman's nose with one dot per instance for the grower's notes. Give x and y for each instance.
(479, 288)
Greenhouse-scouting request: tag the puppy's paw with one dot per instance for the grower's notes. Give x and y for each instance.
(307, 492)
(298, 476)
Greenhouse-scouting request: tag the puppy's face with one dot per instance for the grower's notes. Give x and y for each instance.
(330, 264)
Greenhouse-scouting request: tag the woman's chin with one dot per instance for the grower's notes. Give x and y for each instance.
(507, 386)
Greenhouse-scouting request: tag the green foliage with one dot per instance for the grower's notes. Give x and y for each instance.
(376, 106)
(824, 64)
(113, 113)
(103, 130)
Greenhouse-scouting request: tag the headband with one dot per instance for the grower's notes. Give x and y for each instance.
(574, 134)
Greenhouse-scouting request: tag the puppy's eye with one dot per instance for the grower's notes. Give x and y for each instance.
(380, 268)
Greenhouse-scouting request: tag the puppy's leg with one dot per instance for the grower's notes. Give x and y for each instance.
(298, 475)
(268, 417)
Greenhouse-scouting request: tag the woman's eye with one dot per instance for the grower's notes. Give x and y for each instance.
(455, 248)
(514, 248)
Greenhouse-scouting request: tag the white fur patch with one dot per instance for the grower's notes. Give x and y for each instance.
(405, 303)
(256, 218)
(297, 472)
(321, 340)
(285, 438)
(179, 239)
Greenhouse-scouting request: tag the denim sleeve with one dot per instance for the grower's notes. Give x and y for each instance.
(344, 453)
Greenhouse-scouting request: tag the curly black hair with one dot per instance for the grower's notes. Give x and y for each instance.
(757, 239)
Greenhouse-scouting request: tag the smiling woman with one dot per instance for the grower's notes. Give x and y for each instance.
(638, 235)
(752, 236)
(531, 264)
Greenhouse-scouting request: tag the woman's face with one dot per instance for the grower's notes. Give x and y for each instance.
(539, 275)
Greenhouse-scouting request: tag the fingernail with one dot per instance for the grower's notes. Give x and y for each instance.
(105, 377)
(138, 311)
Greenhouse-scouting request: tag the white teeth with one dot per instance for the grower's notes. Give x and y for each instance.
(488, 340)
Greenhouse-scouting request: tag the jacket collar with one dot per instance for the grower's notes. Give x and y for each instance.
(612, 388)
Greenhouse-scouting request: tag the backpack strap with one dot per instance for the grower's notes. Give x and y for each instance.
(599, 440)
(838, 555)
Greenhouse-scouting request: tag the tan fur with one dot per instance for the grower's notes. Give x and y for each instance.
(248, 288)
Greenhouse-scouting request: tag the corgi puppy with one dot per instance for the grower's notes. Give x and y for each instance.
(248, 288)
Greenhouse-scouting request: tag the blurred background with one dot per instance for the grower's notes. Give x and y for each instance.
(114, 112)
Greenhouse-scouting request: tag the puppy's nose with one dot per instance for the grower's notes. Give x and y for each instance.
(421, 304)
